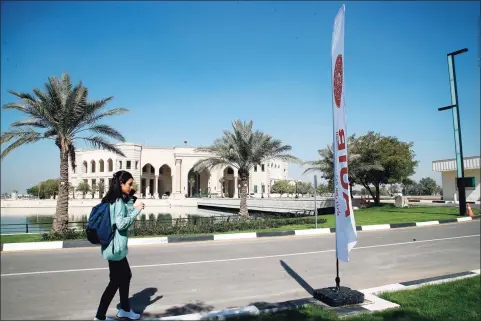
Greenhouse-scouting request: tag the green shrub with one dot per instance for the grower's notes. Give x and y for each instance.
(68, 235)
(165, 225)
(164, 219)
(201, 225)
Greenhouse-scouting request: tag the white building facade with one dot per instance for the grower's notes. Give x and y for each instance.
(472, 170)
(167, 172)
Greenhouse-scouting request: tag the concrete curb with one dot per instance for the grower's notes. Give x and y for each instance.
(373, 302)
(32, 246)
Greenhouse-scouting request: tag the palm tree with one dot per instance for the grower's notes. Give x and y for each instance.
(62, 114)
(325, 165)
(243, 149)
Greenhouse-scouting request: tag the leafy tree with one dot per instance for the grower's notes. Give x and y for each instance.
(51, 187)
(291, 189)
(304, 188)
(407, 185)
(34, 190)
(281, 187)
(323, 189)
(62, 113)
(83, 187)
(243, 149)
(428, 186)
(389, 161)
(372, 160)
(45, 189)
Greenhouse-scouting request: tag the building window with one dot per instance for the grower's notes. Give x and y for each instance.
(110, 181)
(136, 164)
(255, 168)
(263, 168)
(144, 170)
(152, 170)
(129, 163)
(284, 170)
(120, 164)
(255, 188)
(263, 188)
(469, 183)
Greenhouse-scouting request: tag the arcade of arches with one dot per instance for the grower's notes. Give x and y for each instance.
(158, 184)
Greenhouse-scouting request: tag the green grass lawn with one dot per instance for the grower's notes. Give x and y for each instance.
(457, 300)
(370, 216)
(20, 238)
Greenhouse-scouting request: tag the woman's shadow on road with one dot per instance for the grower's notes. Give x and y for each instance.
(141, 300)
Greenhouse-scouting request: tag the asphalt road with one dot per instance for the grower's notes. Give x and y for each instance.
(67, 284)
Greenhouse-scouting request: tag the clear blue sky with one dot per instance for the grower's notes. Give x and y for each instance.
(187, 69)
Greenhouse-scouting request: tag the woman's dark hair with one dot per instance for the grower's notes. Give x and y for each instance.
(115, 191)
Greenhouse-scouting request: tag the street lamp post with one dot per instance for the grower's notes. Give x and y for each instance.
(458, 143)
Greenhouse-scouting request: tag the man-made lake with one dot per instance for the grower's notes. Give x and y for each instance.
(34, 216)
(21, 224)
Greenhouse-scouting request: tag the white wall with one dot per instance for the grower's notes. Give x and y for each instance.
(449, 185)
(172, 157)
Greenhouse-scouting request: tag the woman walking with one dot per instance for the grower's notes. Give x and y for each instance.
(122, 215)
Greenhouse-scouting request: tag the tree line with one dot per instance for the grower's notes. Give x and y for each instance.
(376, 161)
(287, 187)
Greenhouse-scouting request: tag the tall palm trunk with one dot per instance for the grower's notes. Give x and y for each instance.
(60, 222)
(244, 178)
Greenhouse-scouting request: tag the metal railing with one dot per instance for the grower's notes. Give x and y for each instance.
(36, 228)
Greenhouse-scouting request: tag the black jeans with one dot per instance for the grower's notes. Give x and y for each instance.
(120, 276)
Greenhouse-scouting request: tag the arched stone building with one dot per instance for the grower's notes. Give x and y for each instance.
(162, 172)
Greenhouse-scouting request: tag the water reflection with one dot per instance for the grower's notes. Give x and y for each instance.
(43, 223)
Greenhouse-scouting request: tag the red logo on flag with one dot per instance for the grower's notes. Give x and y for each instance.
(338, 70)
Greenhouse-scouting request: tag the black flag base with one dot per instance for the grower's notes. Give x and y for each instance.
(337, 297)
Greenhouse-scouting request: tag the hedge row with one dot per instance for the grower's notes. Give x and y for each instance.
(194, 225)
